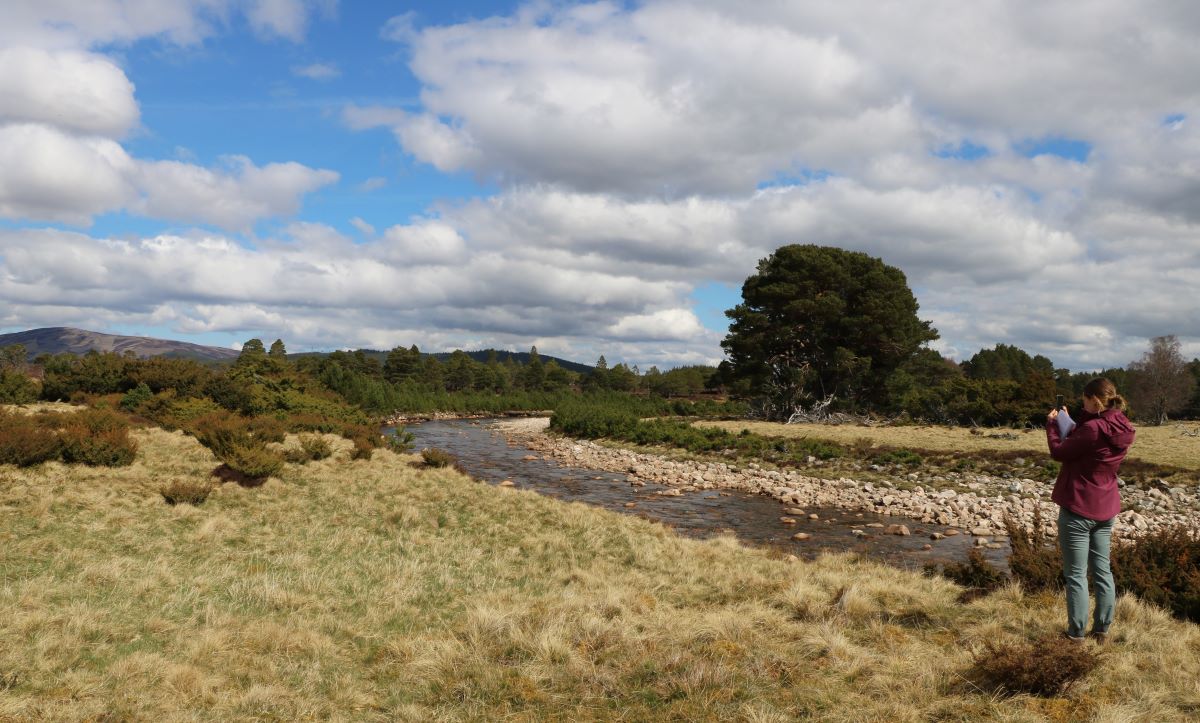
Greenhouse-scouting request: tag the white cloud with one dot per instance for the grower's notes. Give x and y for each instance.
(232, 197)
(78, 92)
(317, 71)
(674, 324)
(47, 174)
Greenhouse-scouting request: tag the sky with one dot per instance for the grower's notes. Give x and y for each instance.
(596, 178)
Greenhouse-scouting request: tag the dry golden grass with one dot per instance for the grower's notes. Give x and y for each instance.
(1165, 445)
(371, 590)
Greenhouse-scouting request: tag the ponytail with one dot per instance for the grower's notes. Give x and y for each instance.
(1105, 392)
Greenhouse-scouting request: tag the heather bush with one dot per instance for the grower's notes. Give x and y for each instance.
(435, 457)
(976, 574)
(97, 438)
(25, 442)
(186, 491)
(253, 461)
(1035, 559)
(312, 448)
(1045, 667)
(1162, 568)
(364, 448)
(221, 433)
(266, 429)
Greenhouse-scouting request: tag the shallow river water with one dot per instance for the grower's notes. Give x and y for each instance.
(485, 453)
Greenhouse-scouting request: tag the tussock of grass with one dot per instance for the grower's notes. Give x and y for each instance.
(379, 591)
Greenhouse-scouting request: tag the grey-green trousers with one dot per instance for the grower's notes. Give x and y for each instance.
(1085, 546)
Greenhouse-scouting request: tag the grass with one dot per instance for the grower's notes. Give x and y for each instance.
(1163, 445)
(374, 590)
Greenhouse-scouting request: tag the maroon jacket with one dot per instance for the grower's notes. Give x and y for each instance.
(1090, 457)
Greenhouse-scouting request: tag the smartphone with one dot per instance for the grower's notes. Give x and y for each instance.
(1058, 399)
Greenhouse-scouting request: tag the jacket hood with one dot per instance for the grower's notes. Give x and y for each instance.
(1117, 427)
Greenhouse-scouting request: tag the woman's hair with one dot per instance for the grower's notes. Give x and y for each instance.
(1105, 392)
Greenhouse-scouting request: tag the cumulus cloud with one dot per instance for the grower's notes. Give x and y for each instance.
(78, 92)
(234, 196)
(47, 174)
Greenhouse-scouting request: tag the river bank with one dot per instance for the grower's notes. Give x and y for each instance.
(974, 503)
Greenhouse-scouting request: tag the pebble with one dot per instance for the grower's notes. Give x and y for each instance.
(814, 516)
(801, 536)
(507, 483)
(926, 547)
(631, 504)
(788, 520)
(951, 532)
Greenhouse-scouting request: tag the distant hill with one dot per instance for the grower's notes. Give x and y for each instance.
(59, 340)
(521, 357)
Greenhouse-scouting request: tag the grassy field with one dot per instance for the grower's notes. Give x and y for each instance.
(371, 590)
(1165, 445)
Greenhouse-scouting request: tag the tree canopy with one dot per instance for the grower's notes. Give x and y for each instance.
(817, 321)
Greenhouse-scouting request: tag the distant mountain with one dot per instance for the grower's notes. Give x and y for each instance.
(521, 357)
(59, 340)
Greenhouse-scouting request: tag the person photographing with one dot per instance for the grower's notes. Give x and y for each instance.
(1088, 498)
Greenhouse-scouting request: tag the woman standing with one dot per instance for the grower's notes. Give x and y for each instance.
(1088, 499)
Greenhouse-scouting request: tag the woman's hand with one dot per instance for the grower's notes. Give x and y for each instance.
(1053, 415)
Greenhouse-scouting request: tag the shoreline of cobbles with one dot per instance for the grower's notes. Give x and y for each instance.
(973, 503)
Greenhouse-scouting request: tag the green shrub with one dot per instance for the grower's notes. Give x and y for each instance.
(16, 388)
(26, 442)
(253, 461)
(1045, 667)
(899, 456)
(136, 397)
(399, 441)
(435, 457)
(186, 491)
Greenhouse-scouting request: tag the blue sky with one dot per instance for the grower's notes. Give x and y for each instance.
(591, 177)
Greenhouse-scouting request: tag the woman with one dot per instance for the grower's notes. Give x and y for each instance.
(1088, 499)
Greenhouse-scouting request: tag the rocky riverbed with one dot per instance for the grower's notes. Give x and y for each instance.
(974, 503)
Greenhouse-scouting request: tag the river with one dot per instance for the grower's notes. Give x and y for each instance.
(486, 455)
